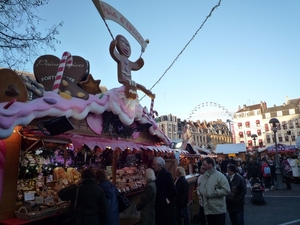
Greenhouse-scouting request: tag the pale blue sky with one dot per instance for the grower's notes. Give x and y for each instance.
(248, 51)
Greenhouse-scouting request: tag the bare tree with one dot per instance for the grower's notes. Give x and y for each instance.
(20, 39)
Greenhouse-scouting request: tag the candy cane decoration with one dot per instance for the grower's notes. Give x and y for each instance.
(155, 113)
(66, 60)
(152, 112)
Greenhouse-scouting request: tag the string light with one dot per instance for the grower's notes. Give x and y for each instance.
(209, 15)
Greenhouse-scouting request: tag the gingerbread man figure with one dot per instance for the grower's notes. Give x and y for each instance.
(120, 51)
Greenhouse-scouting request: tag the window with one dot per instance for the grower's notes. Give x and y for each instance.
(240, 125)
(260, 142)
(293, 136)
(268, 139)
(279, 137)
(292, 111)
(248, 133)
(286, 137)
(257, 123)
(259, 132)
(291, 124)
(297, 123)
(267, 127)
(279, 113)
(284, 125)
(250, 143)
(241, 134)
(268, 115)
(247, 124)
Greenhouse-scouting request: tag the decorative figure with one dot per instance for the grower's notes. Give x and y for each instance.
(120, 51)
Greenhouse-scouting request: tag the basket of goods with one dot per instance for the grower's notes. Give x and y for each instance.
(23, 213)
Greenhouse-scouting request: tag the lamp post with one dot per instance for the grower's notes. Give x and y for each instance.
(254, 136)
(279, 185)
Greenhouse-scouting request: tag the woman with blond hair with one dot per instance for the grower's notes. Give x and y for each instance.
(147, 200)
(182, 186)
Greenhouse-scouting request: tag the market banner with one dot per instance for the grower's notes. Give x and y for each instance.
(108, 12)
(281, 147)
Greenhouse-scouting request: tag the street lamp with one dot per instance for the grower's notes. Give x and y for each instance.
(279, 184)
(254, 136)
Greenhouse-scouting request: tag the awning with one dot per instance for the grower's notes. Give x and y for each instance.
(258, 131)
(257, 122)
(247, 123)
(239, 124)
(79, 140)
(248, 132)
(249, 141)
(241, 133)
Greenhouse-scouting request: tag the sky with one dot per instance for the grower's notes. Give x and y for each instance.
(246, 52)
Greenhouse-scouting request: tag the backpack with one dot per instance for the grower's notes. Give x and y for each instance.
(267, 170)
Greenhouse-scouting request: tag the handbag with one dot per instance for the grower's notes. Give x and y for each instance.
(73, 216)
(123, 201)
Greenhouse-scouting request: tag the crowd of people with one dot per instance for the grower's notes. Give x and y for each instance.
(263, 169)
(163, 200)
(221, 188)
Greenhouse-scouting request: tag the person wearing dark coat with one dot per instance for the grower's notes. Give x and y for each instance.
(91, 199)
(286, 172)
(147, 201)
(235, 200)
(165, 195)
(112, 215)
(182, 186)
(253, 170)
(223, 165)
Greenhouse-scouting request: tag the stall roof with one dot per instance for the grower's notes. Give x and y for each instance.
(230, 148)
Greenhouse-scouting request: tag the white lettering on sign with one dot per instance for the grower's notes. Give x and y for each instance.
(52, 77)
(46, 63)
(70, 78)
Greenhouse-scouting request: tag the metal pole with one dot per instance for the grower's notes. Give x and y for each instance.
(279, 184)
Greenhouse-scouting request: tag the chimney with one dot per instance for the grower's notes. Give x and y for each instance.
(286, 100)
(244, 106)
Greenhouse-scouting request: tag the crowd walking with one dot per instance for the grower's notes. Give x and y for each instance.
(165, 199)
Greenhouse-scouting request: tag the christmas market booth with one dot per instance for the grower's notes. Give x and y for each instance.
(59, 120)
(45, 140)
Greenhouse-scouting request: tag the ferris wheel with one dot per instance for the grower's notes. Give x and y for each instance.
(210, 111)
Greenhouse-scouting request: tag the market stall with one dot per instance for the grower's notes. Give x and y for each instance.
(50, 162)
(53, 125)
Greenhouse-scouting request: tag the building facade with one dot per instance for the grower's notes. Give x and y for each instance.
(254, 119)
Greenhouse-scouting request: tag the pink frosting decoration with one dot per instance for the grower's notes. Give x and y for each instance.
(53, 105)
(2, 161)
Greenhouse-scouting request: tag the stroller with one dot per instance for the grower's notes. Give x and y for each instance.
(257, 197)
